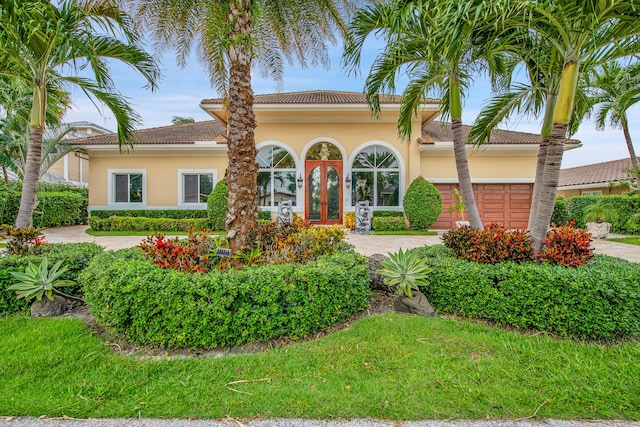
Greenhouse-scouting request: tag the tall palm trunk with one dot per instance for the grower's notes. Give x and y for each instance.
(34, 155)
(464, 177)
(549, 185)
(242, 173)
(632, 152)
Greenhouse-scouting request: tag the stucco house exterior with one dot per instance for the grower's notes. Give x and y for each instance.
(324, 151)
(599, 179)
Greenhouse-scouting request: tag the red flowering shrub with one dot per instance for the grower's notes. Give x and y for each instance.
(489, 246)
(24, 240)
(566, 245)
(189, 257)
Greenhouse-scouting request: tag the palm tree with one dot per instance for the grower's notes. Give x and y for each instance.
(229, 36)
(419, 43)
(615, 89)
(178, 120)
(585, 32)
(41, 44)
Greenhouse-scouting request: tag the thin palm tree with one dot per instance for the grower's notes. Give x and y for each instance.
(616, 88)
(229, 36)
(585, 32)
(44, 44)
(436, 60)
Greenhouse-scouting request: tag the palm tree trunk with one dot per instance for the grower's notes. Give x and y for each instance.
(242, 173)
(549, 185)
(464, 177)
(31, 178)
(632, 152)
(535, 197)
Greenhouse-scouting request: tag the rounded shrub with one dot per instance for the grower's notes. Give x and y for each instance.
(152, 306)
(422, 204)
(217, 205)
(598, 301)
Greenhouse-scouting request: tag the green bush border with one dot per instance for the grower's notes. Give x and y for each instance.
(147, 224)
(625, 206)
(599, 301)
(151, 213)
(152, 306)
(389, 223)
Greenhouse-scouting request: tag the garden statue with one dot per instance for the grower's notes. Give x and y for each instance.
(285, 213)
(363, 216)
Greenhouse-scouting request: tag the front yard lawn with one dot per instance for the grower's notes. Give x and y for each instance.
(387, 366)
(632, 240)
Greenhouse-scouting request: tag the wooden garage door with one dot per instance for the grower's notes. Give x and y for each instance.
(505, 204)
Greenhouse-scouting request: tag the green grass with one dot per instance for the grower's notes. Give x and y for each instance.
(405, 233)
(385, 367)
(632, 240)
(92, 232)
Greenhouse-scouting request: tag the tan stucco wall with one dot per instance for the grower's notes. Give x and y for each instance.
(606, 191)
(161, 175)
(480, 167)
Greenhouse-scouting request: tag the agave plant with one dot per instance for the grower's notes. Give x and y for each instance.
(406, 271)
(38, 281)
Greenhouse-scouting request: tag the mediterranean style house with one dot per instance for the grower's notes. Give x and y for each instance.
(598, 179)
(322, 150)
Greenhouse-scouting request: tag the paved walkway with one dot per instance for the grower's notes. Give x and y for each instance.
(365, 244)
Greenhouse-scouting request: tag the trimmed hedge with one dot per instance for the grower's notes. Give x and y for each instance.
(389, 223)
(422, 204)
(625, 206)
(380, 214)
(599, 301)
(126, 223)
(76, 256)
(152, 213)
(55, 208)
(560, 214)
(152, 306)
(217, 205)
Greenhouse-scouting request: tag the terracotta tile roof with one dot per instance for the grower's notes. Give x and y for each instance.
(317, 97)
(435, 131)
(595, 173)
(187, 133)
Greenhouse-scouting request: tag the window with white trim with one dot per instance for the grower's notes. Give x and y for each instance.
(128, 188)
(375, 177)
(195, 185)
(276, 177)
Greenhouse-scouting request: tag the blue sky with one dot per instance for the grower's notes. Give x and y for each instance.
(181, 91)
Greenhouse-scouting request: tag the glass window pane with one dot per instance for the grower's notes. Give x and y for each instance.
(313, 193)
(284, 184)
(135, 188)
(385, 158)
(190, 188)
(333, 194)
(282, 159)
(388, 189)
(206, 186)
(365, 158)
(324, 151)
(122, 188)
(264, 188)
(264, 157)
(362, 187)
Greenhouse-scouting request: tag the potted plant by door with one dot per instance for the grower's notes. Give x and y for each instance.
(459, 207)
(597, 217)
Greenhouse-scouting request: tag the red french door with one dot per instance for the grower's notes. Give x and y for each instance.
(323, 201)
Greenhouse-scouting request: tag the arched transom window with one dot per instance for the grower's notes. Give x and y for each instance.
(276, 177)
(375, 176)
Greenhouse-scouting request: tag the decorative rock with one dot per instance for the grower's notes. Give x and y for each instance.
(376, 280)
(599, 230)
(417, 304)
(48, 308)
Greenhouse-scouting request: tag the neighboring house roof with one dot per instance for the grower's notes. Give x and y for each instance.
(186, 133)
(597, 173)
(317, 97)
(436, 131)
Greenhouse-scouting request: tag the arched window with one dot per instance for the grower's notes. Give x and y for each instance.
(276, 177)
(375, 176)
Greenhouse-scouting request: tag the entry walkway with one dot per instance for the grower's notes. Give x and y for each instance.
(366, 244)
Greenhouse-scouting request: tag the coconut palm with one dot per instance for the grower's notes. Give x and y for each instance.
(228, 37)
(616, 88)
(585, 32)
(436, 60)
(45, 44)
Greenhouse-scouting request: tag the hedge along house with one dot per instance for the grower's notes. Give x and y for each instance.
(322, 150)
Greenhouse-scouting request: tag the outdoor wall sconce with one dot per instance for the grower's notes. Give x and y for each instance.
(299, 181)
(347, 181)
